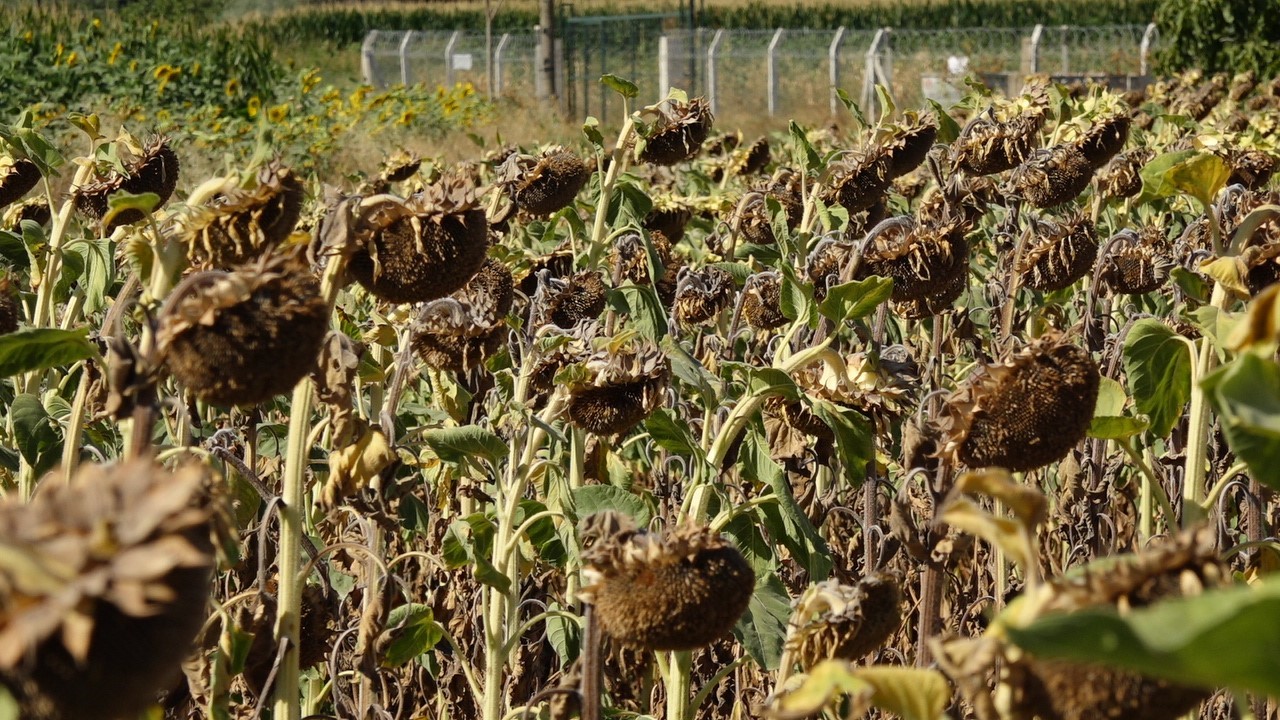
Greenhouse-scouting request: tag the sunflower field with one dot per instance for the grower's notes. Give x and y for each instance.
(966, 412)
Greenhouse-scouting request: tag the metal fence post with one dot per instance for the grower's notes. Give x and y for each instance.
(773, 71)
(1066, 51)
(497, 63)
(871, 71)
(712, 95)
(448, 58)
(368, 69)
(404, 57)
(1035, 48)
(1148, 38)
(833, 61)
(664, 65)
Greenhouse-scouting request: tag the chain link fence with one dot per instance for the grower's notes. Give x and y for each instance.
(748, 73)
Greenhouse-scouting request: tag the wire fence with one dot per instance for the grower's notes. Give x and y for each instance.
(744, 73)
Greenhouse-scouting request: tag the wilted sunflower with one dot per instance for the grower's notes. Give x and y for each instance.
(238, 224)
(702, 294)
(619, 384)
(677, 590)
(17, 178)
(937, 302)
(1052, 176)
(826, 265)
(1251, 168)
(762, 301)
(102, 589)
(565, 303)
(679, 133)
(860, 181)
(1027, 412)
(987, 146)
(461, 331)
(1030, 687)
(155, 170)
(422, 248)
(668, 216)
(1104, 139)
(10, 305)
(631, 261)
(753, 159)
(1059, 253)
(835, 621)
(542, 184)
(399, 166)
(35, 210)
(921, 259)
(1122, 177)
(907, 148)
(1137, 262)
(243, 337)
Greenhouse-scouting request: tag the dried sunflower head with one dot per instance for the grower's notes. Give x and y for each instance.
(1105, 138)
(1052, 176)
(702, 294)
(461, 331)
(1122, 177)
(617, 384)
(935, 303)
(921, 259)
(541, 185)
(910, 144)
(762, 301)
(668, 216)
(835, 621)
(856, 380)
(826, 265)
(1138, 262)
(1059, 254)
(565, 303)
(860, 181)
(153, 170)
(677, 590)
(239, 224)
(399, 166)
(1024, 413)
(35, 210)
(679, 133)
(987, 146)
(1251, 168)
(103, 588)
(18, 176)
(243, 337)
(753, 159)
(10, 305)
(422, 248)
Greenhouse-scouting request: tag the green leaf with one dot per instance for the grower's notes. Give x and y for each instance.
(796, 298)
(673, 436)
(1246, 396)
(855, 299)
(948, 128)
(1198, 174)
(541, 533)
(853, 437)
(35, 432)
(625, 88)
(412, 630)
(239, 642)
(688, 369)
(911, 693)
(785, 522)
(1109, 421)
(122, 202)
(762, 629)
(42, 348)
(591, 499)
(1158, 366)
(455, 444)
(887, 106)
(805, 154)
(852, 107)
(642, 305)
(591, 128)
(1156, 184)
(1227, 637)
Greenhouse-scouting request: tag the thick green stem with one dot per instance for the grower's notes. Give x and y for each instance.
(679, 685)
(1199, 425)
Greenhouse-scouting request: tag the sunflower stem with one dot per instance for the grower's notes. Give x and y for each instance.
(286, 705)
(616, 167)
(1200, 424)
(679, 685)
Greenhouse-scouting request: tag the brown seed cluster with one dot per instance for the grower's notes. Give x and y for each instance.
(565, 303)
(154, 171)
(243, 337)
(102, 589)
(1027, 412)
(988, 146)
(543, 184)
(861, 181)
(17, 178)
(1137, 263)
(676, 590)
(1053, 176)
(846, 622)
(620, 387)
(679, 134)
(1059, 254)
(1104, 139)
(1122, 177)
(422, 248)
(702, 294)
(460, 332)
(923, 260)
(762, 301)
(241, 224)
(909, 145)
